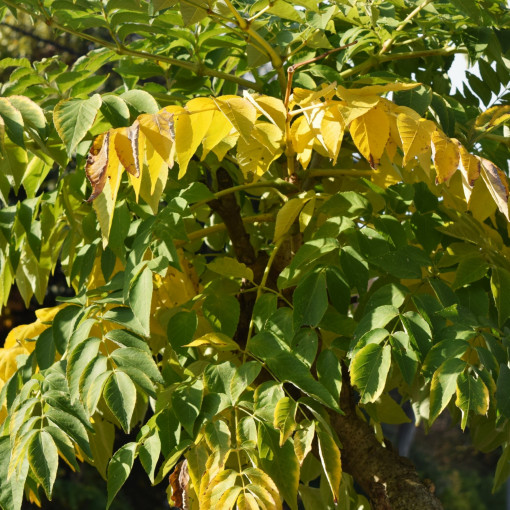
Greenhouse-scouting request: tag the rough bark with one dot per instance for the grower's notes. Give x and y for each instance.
(390, 481)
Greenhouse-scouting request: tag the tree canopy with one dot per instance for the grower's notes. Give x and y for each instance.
(280, 223)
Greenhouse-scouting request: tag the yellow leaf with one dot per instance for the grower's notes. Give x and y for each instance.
(497, 184)
(156, 164)
(190, 129)
(370, 132)
(300, 135)
(446, 156)
(273, 109)
(356, 107)
(306, 214)
(481, 203)
(240, 112)
(332, 130)
(104, 205)
(229, 142)
(469, 169)
(415, 134)
(261, 479)
(219, 129)
(304, 97)
(287, 215)
(217, 340)
(372, 90)
(264, 147)
(159, 131)
(130, 148)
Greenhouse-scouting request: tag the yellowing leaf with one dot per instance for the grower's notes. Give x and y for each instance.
(415, 134)
(446, 156)
(240, 112)
(497, 184)
(332, 131)
(301, 136)
(228, 266)
(372, 90)
(159, 131)
(262, 149)
(493, 116)
(370, 132)
(247, 502)
(287, 215)
(217, 340)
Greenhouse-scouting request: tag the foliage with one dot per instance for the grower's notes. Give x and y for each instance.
(251, 251)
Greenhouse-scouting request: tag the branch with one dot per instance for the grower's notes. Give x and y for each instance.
(390, 481)
(389, 43)
(198, 69)
(375, 60)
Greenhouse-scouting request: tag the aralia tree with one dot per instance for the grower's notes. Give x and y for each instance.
(279, 227)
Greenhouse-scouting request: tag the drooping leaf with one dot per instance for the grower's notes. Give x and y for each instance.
(446, 156)
(285, 418)
(472, 395)
(369, 369)
(119, 469)
(330, 458)
(415, 134)
(444, 383)
(43, 458)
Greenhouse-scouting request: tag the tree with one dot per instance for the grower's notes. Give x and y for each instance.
(279, 226)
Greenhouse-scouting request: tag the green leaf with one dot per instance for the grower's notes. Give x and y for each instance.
(329, 372)
(141, 101)
(369, 370)
(264, 307)
(181, 329)
(377, 318)
(243, 377)
(64, 446)
(73, 118)
(502, 393)
(404, 355)
(149, 452)
(115, 110)
(13, 121)
(119, 469)
(418, 330)
(140, 298)
(330, 458)
(443, 385)
(120, 397)
(136, 358)
(217, 435)
(472, 395)
(193, 13)
(43, 458)
(223, 314)
(78, 361)
(500, 281)
(280, 463)
(502, 469)
(310, 300)
(266, 396)
(386, 410)
(32, 113)
(285, 418)
(339, 291)
(64, 325)
(303, 439)
(470, 269)
(186, 402)
(11, 490)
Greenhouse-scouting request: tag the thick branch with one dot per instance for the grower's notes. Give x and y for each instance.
(390, 481)
(230, 212)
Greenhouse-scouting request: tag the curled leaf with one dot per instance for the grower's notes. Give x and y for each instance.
(97, 163)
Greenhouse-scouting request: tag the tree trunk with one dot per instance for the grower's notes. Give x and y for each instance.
(390, 481)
